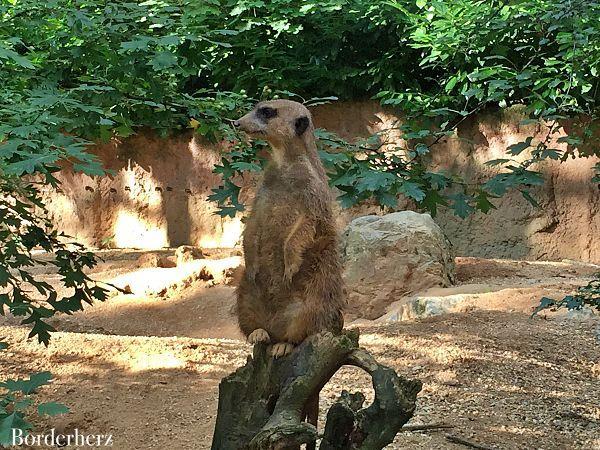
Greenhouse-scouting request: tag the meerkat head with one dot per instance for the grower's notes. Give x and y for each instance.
(283, 123)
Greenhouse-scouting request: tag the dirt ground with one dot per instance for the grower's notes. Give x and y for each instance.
(145, 367)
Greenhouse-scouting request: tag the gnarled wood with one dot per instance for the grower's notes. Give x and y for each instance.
(262, 405)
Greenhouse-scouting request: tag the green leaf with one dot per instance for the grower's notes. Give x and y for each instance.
(347, 200)
(105, 121)
(346, 179)
(571, 140)
(42, 330)
(91, 168)
(432, 200)
(438, 181)
(373, 180)
(529, 198)
(52, 409)
(497, 185)
(7, 424)
(31, 164)
(220, 194)
(451, 83)
(246, 166)
(483, 203)
(497, 162)
(552, 153)
(4, 276)
(163, 60)
(461, 205)
(228, 211)
(517, 149)
(421, 149)
(412, 190)
(28, 386)
(387, 199)
(6, 53)
(140, 43)
(332, 158)
(545, 303)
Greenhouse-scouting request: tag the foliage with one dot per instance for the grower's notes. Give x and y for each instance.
(18, 399)
(76, 71)
(473, 56)
(73, 72)
(239, 159)
(588, 295)
(24, 230)
(446, 62)
(97, 69)
(478, 55)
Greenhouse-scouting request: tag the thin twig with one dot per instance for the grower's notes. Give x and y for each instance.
(426, 426)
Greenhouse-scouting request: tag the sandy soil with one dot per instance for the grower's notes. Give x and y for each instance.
(145, 367)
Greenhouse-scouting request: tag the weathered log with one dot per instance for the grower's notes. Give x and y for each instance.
(262, 405)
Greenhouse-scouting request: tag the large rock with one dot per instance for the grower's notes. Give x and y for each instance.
(387, 257)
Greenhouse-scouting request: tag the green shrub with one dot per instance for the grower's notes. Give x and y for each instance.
(585, 296)
(102, 68)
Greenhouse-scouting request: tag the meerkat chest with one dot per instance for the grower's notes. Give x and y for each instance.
(272, 205)
(273, 214)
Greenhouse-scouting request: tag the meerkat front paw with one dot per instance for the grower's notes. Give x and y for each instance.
(281, 349)
(259, 336)
(289, 272)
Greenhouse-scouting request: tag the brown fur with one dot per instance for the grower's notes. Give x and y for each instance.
(292, 285)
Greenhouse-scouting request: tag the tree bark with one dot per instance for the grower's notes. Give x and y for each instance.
(262, 405)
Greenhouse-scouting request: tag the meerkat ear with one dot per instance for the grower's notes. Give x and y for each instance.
(301, 124)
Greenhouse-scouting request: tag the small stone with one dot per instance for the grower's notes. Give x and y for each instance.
(187, 253)
(166, 262)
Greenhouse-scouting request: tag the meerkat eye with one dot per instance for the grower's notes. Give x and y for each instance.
(266, 113)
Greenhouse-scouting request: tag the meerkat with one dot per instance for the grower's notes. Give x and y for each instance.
(292, 285)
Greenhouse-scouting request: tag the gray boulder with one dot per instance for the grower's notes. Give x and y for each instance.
(391, 256)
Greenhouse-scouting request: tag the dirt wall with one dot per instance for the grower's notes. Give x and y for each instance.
(567, 223)
(158, 194)
(565, 226)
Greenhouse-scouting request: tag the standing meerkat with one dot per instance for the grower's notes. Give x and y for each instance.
(292, 284)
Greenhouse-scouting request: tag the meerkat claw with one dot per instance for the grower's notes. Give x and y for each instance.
(258, 336)
(281, 349)
(288, 275)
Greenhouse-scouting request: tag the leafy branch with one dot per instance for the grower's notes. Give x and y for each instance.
(588, 295)
(18, 399)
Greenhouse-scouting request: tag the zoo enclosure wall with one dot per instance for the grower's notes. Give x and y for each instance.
(158, 195)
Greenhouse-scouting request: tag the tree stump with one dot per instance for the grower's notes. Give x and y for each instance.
(262, 405)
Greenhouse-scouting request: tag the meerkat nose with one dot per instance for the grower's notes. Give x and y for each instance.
(236, 123)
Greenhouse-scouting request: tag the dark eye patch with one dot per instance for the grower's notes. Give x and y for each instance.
(266, 113)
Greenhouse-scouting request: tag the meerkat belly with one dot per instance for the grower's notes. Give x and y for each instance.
(272, 228)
